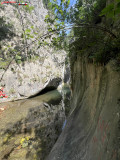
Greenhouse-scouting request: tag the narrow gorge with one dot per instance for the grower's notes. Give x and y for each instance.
(60, 80)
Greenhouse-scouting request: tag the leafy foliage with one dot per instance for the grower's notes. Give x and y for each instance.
(28, 8)
(112, 9)
(95, 44)
(5, 29)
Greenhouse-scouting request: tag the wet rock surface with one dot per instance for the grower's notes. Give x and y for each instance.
(29, 128)
(92, 130)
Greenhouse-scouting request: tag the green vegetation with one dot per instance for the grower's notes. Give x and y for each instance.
(3, 64)
(112, 10)
(5, 29)
(93, 33)
(28, 8)
(24, 142)
(11, 91)
(14, 52)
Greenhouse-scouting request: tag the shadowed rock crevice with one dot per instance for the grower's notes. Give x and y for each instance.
(49, 86)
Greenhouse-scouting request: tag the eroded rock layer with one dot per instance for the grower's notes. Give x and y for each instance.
(92, 131)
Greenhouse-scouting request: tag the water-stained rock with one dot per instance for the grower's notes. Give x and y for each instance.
(92, 130)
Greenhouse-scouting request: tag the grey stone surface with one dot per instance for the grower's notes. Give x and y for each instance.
(26, 79)
(92, 130)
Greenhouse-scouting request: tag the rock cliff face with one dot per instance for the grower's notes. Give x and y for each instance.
(27, 78)
(92, 131)
(24, 81)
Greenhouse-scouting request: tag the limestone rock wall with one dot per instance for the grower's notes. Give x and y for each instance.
(21, 81)
(25, 79)
(92, 131)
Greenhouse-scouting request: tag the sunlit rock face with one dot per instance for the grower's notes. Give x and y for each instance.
(27, 78)
(92, 130)
(24, 81)
(40, 10)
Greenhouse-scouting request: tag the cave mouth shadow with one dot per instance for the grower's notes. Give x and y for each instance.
(50, 86)
(43, 91)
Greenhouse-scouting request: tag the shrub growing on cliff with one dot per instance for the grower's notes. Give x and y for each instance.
(93, 37)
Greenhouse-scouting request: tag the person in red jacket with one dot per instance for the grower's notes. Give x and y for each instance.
(2, 95)
(1, 92)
